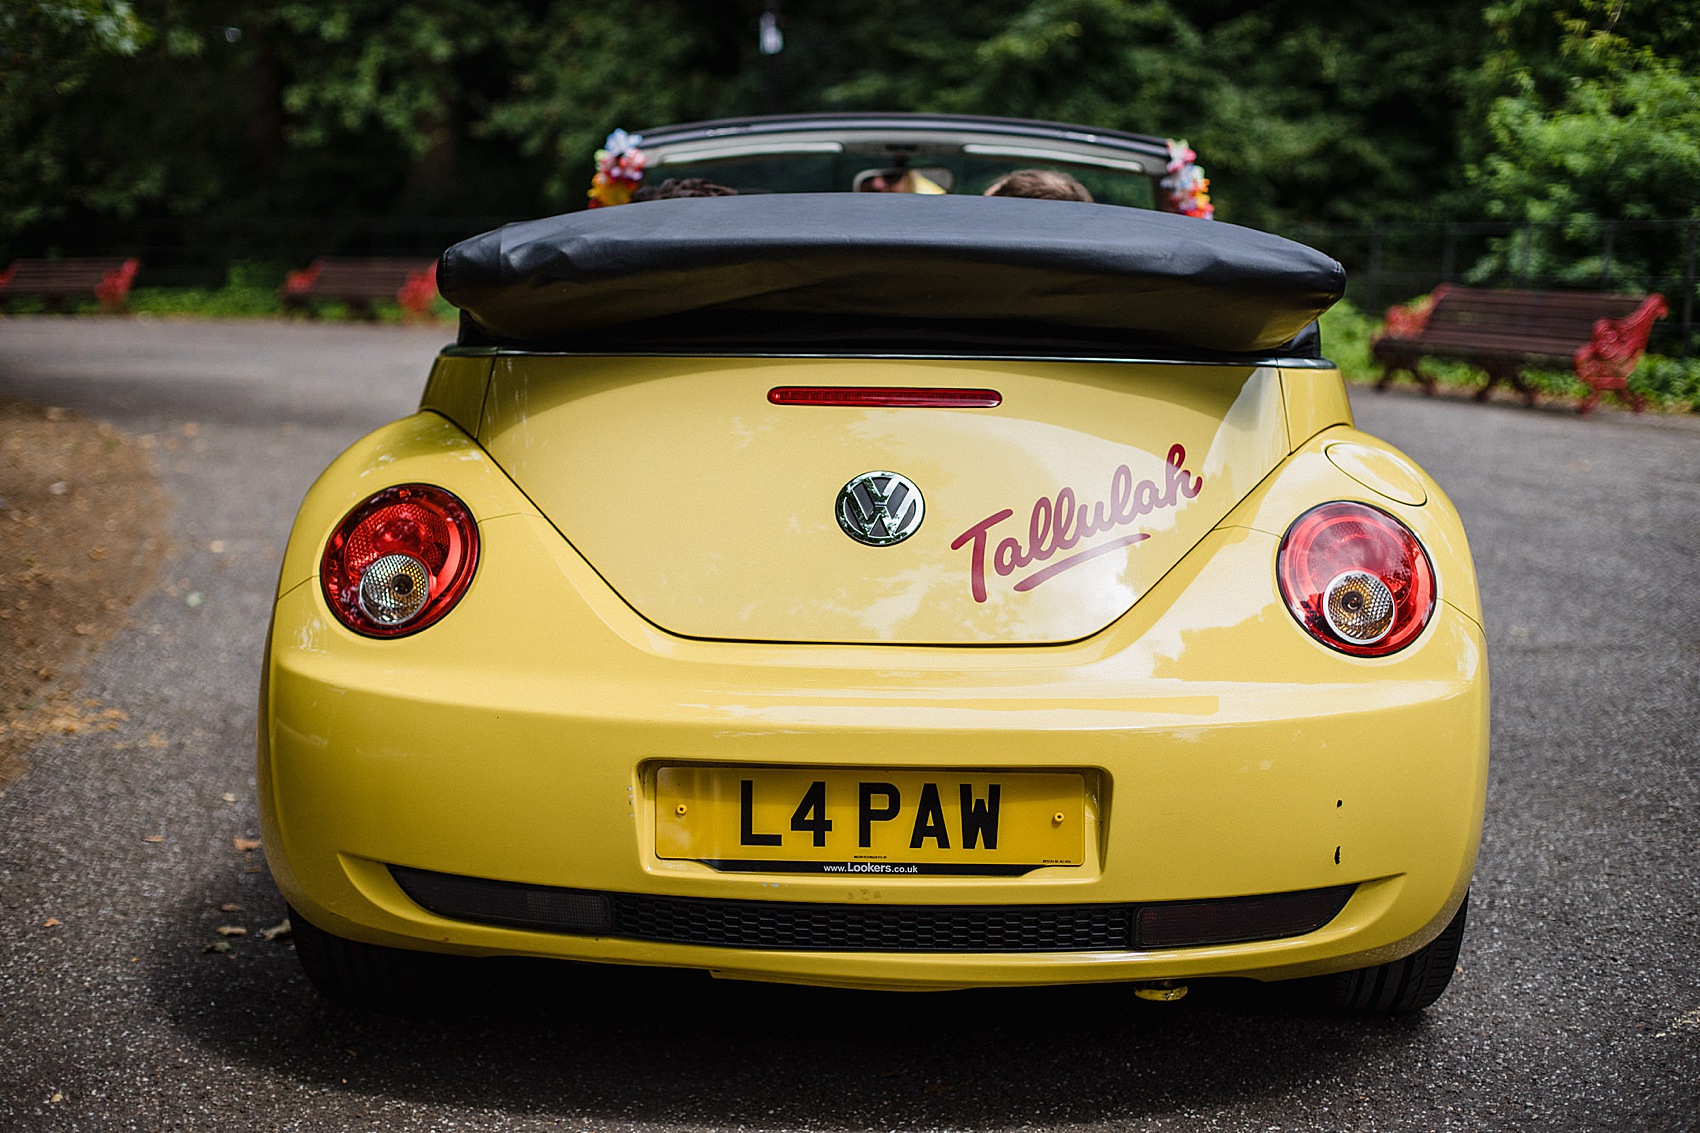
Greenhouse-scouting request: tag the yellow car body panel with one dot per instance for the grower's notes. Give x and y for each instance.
(1224, 751)
(706, 511)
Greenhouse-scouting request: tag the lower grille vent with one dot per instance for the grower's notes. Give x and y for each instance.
(817, 927)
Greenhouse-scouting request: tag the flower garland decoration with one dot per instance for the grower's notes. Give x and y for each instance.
(619, 170)
(1186, 184)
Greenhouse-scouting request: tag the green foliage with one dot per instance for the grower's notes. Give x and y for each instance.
(1338, 110)
(249, 291)
(1341, 111)
(1672, 383)
(1561, 115)
(643, 64)
(1591, 127)
(1622, 147)
(356, 66)
(49, 52)
(1346, 336)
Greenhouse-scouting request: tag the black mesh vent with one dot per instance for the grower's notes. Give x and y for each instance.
(810, 926)
(875, 928)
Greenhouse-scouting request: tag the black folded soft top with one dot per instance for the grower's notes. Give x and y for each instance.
(671, 272)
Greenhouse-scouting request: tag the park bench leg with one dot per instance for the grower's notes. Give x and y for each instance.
(1636, 403)
(1512, 376)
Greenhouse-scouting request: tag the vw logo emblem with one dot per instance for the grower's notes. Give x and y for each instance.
(880, 508)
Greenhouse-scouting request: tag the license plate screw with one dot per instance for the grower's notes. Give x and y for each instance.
(1057, 818)
(681, 809)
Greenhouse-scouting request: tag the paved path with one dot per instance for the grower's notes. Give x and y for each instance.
(1577, 1006)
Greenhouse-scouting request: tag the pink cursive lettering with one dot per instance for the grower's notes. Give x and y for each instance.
(1060, 524)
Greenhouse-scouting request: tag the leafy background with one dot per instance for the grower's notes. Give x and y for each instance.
(1567, 132)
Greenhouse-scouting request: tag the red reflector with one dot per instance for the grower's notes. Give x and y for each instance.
(904, 397)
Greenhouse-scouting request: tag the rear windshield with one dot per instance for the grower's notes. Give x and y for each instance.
(954, 173)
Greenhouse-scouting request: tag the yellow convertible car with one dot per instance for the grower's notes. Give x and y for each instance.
(882, 589)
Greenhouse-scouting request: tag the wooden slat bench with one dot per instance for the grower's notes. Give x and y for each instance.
(107, 279)
(360, 283)
(1600, 336)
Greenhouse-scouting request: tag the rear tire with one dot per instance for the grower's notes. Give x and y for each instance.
(348, 971)
(1397, 988)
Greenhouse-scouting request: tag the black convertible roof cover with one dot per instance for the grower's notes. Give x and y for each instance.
(882, 270)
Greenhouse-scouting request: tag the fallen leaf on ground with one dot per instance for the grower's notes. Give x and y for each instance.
(245, 845)
(50, 922)
(153, 837)
(230, 907)
(231, 930)
(217, 946)
(280, 929)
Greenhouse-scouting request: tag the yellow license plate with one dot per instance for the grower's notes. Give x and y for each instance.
(871, 822)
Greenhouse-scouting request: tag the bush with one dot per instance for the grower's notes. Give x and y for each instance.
(1671, 383)
(249, 291)
(1346, 335)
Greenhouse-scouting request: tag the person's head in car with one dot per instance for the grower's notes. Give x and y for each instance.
(898, 181)
(683, 187)
(1043, 184)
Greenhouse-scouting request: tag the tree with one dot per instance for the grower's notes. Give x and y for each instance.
(49, 51)
(580, 71)
(1343, 110)
(1590, 130)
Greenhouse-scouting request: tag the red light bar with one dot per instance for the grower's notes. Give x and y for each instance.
(903, 397)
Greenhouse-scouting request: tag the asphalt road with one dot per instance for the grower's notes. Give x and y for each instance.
(1577, 1005)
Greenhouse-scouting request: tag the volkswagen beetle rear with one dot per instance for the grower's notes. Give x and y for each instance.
(994, 592)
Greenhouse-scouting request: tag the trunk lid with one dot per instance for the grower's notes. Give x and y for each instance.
(714, 512)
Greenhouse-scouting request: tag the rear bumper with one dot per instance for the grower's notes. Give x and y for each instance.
(1227, 755)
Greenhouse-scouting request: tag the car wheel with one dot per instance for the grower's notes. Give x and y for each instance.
(347, 971)
(1402, 986)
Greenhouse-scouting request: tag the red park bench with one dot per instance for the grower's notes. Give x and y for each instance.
(57, 281)
(1600, 336)
(359, 283)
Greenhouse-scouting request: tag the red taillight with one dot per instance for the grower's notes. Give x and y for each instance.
(399, 561)
(1356, 578)
(901, 397)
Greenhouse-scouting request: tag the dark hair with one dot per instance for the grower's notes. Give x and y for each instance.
(682, 187)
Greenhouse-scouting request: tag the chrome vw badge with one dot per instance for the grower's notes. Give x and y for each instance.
(880, 508)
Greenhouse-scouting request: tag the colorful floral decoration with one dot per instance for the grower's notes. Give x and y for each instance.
(1187, 186)
(619, 170)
